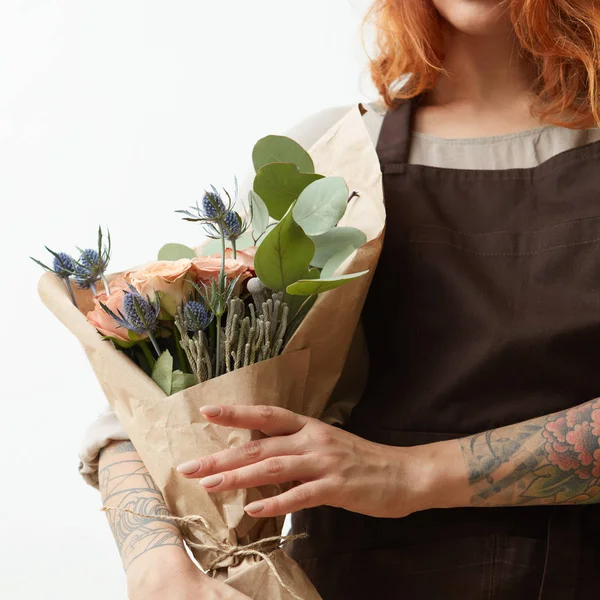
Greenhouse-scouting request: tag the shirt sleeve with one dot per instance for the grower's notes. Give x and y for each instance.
(107, 428)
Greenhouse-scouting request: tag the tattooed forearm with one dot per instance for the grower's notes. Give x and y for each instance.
(551, 460)
(125, 483)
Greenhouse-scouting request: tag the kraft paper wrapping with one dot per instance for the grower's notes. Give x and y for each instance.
(169, 430)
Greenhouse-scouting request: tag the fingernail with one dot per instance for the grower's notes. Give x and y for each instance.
(189, 467)
(255, 507)
(211, 480)
(211, 411)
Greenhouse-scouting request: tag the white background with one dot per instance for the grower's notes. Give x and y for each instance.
(118, 112)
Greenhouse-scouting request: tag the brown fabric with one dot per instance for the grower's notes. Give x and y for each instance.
(484, 311)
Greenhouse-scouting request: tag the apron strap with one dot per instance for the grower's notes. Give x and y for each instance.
(393, 145)
(561, 569)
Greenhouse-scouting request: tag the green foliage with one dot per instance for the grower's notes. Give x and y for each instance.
(334, 242)
(175, 252)
(284, 255)
(308, 287)
(169, 381)
(321, 205)
(281, 149)
(259, 213)
(279, 185)
(182, 381)
(162, 373)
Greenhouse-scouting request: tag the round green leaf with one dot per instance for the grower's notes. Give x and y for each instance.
(259, 212)
(309, 287)
(279, 185)
(335, 240)
(284, 255)
(336, 260)
(175, 252)
(321, 205)
(281, 149)
(162, 373)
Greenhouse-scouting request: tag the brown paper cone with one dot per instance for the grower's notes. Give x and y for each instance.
(169, 430)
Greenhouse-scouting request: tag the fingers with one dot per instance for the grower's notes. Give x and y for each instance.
(271, 420)
(306, 495)
(281, 469)
(233, 458)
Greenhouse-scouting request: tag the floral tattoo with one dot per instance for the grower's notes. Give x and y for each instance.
(550, 460)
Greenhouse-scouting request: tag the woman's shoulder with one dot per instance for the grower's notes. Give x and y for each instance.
(308, 130)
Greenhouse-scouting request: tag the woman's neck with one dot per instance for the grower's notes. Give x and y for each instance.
(486, 89)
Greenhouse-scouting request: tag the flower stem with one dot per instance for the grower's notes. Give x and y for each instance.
(234, 248)
(93, 288)
(218, 358)
(70, 288)
(146, 350)
(105, 284)
(220, 312)
(153, 340)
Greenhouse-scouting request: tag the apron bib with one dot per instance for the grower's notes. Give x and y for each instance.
(484, 311)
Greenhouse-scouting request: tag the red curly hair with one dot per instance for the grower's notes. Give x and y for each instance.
(561, 37)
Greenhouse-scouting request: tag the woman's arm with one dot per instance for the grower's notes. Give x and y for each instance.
(152, 550)
(553, 459)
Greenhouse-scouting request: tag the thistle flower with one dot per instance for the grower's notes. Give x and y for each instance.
(139, 315)
(217, 215)
(212, 206)
(232, 226)
(195, 317)
(92, 264)
(63, 266)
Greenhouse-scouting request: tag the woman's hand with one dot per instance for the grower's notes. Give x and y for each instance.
(334, 467)
(177, 578)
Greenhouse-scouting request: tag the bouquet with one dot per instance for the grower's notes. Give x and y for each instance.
(267, 319)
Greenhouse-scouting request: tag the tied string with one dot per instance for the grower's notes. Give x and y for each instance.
(224, 550)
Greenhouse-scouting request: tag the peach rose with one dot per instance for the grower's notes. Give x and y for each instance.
(102, 321)
(170, 278)
(207, 269)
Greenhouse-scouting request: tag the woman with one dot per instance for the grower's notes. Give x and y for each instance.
(470, 467)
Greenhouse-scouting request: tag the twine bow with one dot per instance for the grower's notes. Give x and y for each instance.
(224, 550)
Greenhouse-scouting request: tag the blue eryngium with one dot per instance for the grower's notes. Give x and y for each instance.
(139, 314)
(217, 215)
(92, 265)
(212, 206)
(196, 317)
(232, 226)
(63, 266)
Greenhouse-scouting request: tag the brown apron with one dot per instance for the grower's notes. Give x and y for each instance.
(484, 311)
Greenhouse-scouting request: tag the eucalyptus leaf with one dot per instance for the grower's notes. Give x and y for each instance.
(333, 241)
(182, 381)
(284, 255)
(162, 374)
(279, 185)
(175, 252)
(308, 287)
(281, 149)
(295, 302)
(259, 212)
(321, 205)
(336, 260)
